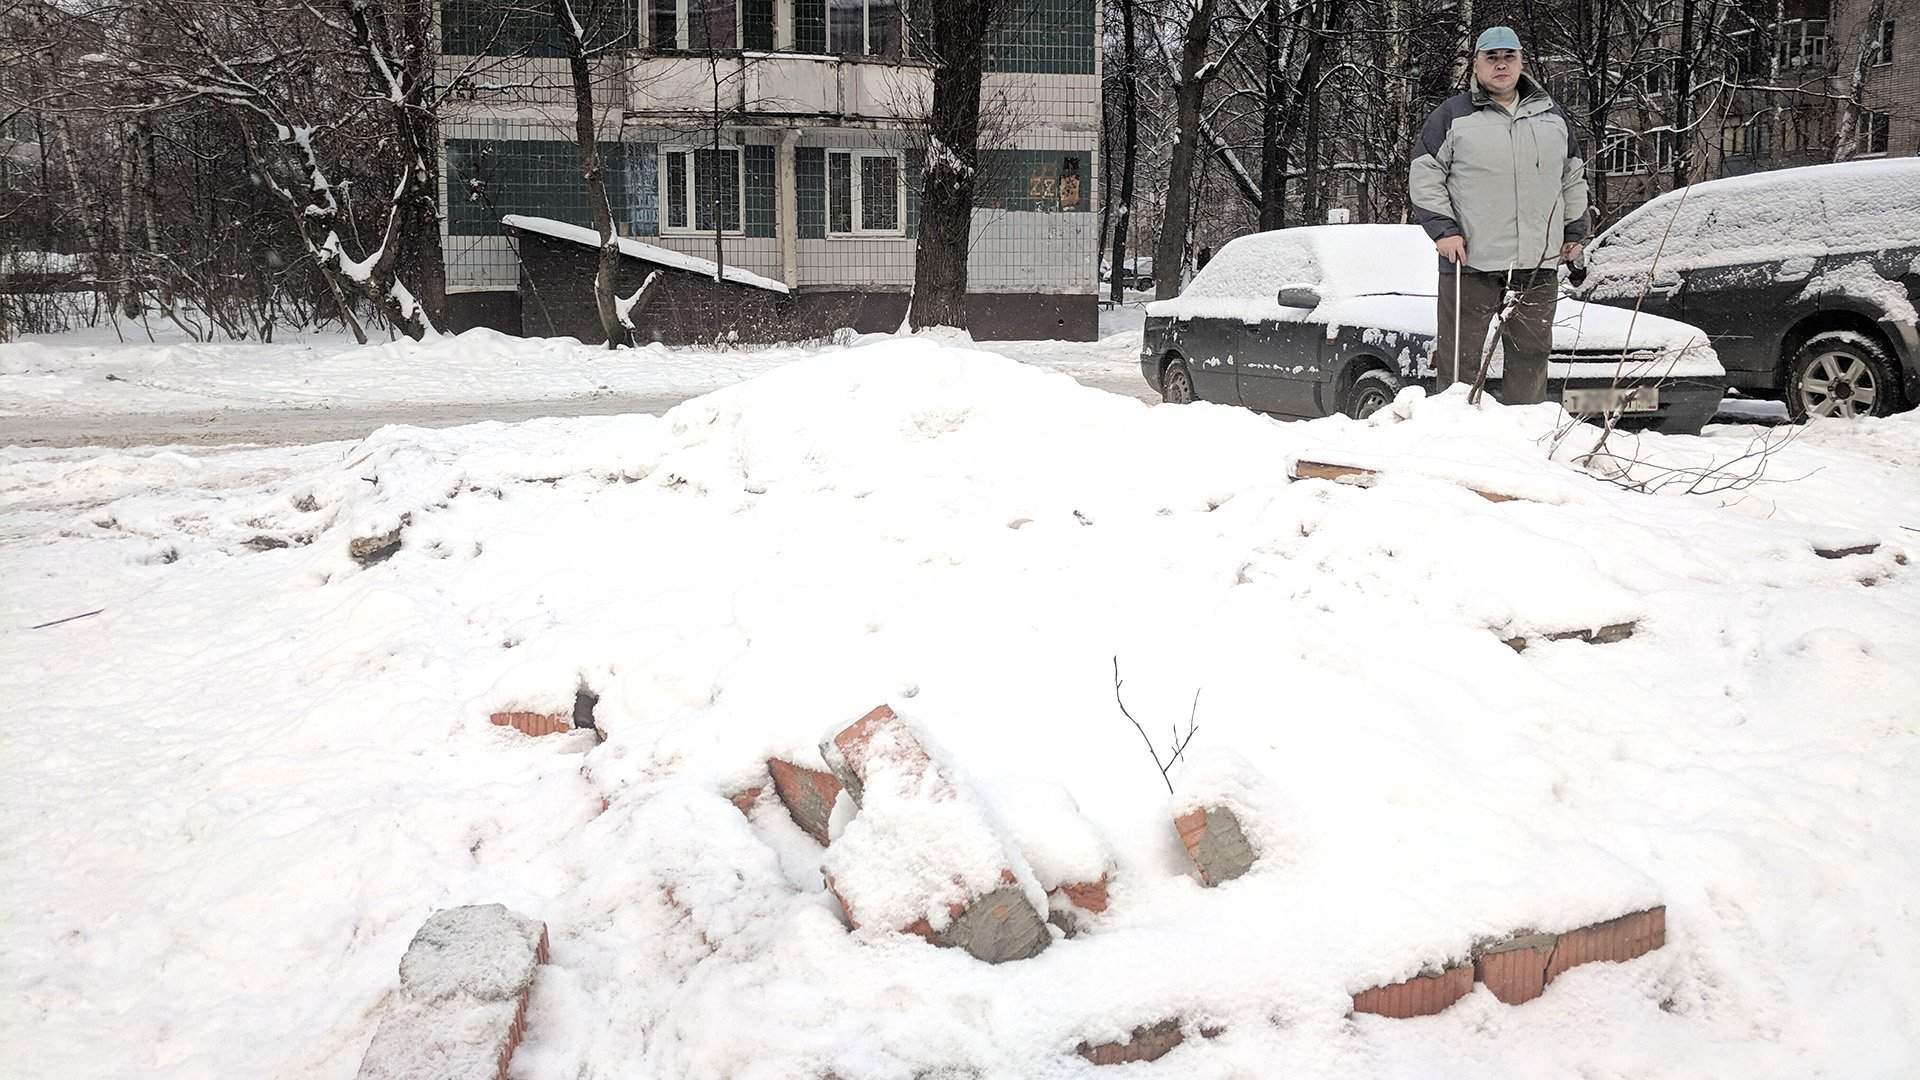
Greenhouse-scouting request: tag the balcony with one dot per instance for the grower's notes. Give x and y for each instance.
(777, 84)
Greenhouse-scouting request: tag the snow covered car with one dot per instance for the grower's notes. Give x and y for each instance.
(1312, 321)
(1806, 280)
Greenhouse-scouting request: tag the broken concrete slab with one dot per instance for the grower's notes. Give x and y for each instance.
(461, 1009)
(1422, 995)
(1216, 843)
(1598, 635)
(986, 902)
(808, 795)
(378, 547)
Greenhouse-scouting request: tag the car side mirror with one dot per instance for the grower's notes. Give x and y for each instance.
(1299, 296)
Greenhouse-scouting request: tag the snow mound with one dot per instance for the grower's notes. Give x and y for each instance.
(983, 545)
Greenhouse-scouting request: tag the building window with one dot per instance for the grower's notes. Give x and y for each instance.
(1883, 44)
(702, 187)
(863, 27)
(1620, 154)
(1745, 138)
(1802, 43)
(1661, 143)
(1749, 49)
(710, 25)
(865, 190)
(1875, 131)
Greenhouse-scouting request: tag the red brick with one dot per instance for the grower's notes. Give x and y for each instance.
(744, 800)
(462, 1003)
(808, 795)
(1616, 939)
(1088, 896)
(855, 741)
(533, 723)
(1216, 843)
(1422, 995)
(1148, 1042)
(1515, 970)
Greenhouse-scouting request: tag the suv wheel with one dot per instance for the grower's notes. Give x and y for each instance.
(1840, 373)
(1176, 386)
(1371, 391)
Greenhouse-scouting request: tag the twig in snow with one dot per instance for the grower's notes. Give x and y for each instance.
(1176, 743)
(68, 619)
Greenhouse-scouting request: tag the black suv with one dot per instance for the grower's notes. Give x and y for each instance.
(1806, 279)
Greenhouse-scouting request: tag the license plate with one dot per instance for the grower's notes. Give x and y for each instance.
(1589, 401)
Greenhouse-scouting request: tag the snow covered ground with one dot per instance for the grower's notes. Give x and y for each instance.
(234, 793)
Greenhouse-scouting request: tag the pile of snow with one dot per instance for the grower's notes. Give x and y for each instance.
(1783, 215)
(269, 753)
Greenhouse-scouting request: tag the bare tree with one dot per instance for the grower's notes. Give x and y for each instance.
(957, 35)
(575, 35)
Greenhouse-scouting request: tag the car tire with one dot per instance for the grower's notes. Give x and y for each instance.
(1841, 373)
(1176, 384)
(1371, 391)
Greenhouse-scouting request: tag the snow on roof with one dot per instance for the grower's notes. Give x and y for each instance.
(1244, 278)
(1764, 217)
(652, 253)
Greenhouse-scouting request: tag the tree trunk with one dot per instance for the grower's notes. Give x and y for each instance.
(1170, 255)
(1129, 146)
(587, 142)
(1683, 100)
(1846, 133)
(1273, 152)
(959, 31)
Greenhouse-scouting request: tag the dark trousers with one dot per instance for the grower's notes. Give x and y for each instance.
(1525, 334)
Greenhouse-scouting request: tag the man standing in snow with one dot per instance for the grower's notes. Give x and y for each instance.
(1498, 182)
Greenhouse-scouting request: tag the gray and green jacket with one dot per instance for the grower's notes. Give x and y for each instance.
(1513, 184)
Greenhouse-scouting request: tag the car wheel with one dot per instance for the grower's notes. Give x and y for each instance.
(1176, 386)
(1371, 391)
(1840, 374)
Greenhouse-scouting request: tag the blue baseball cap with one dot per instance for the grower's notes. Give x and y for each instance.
(1497, 37)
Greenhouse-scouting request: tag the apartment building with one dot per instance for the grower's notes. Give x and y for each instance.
(783, 138)
(1772, 93)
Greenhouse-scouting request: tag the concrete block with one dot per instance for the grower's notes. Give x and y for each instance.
(1422, 995)
(461, 1009)
(902, 793)
(808, 795)
(1216, 843)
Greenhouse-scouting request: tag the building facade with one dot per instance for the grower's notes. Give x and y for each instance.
(785, 138)
(1774, 90)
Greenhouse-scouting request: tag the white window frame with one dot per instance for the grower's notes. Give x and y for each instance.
(1623, 147)
(692, 186)
(1883, 39)
(854, 173)
(1867, 117)
(1798, 47)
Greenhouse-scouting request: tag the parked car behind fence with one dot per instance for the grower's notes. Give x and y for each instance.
(1806, 280)
(1311, 321)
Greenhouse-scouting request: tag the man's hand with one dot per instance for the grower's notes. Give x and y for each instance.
(1452, 248)
(1569, 251)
